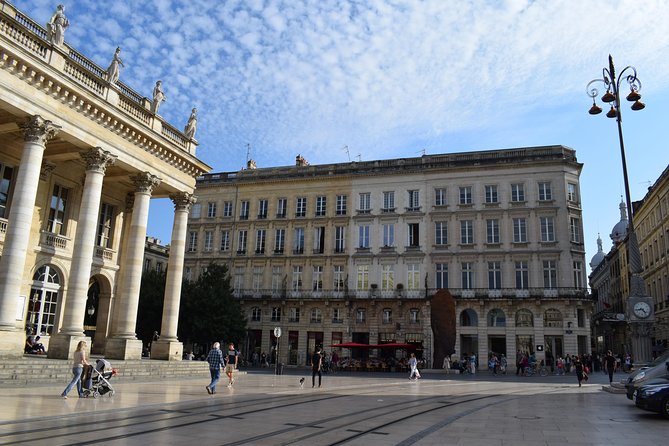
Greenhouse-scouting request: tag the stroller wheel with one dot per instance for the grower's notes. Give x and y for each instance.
(96, 394)
(110, 393)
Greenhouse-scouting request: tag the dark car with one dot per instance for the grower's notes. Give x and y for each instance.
(659, 374)
(653, 397)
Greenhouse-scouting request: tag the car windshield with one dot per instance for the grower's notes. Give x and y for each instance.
(660, 359)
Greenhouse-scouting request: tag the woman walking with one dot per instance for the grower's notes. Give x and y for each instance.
(578, 367)
(77, 368)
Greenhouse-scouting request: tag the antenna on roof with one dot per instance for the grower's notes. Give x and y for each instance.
(348, 154)
(359, 157)
(248, 153)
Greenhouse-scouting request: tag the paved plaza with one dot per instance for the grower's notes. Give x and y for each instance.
(352, 409)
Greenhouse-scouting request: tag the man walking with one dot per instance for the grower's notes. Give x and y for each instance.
(215, 360)
(233, 357)
(316, 364)
(610, 365)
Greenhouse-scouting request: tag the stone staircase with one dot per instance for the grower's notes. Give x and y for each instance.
(36, 370)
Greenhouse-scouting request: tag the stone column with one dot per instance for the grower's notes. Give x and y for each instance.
(36, 131)
(168, 346)
(63, 344)
(124, 343)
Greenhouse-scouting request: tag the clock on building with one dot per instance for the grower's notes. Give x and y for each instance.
(642, 310)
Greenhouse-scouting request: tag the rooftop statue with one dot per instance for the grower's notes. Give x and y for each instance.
(57, 25)
(191, 125)
(113, 70)
(158, 97)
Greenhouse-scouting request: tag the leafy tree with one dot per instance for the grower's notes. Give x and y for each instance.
(150, 309)
(209, 312)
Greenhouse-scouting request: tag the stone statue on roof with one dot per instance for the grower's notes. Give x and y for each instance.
(158, 97)
(113, 70)
(191, 125)
(57, 26)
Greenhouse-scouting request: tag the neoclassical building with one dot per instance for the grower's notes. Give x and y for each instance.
(82, 155)
(354, 252)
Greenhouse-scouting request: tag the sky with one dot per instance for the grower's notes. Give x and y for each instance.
(339, 81)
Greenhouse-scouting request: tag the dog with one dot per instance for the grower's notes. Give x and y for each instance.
(301, 382)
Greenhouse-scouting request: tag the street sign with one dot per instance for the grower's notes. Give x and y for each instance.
(540, 347)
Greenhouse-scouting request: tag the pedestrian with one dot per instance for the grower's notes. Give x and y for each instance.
(216, 363)
(472, 363)
(233, 358)
(503, 364)
(609, 365)
(316, 364)
(580, 370)
(447, 363)
(77, 368)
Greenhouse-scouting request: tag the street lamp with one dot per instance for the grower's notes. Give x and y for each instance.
(640, 309)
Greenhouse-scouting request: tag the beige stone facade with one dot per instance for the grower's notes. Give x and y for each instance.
(353, 252)
(80, 160)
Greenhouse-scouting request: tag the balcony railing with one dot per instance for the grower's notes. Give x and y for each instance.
(55, 241)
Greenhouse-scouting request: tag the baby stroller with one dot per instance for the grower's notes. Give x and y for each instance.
(96, 379)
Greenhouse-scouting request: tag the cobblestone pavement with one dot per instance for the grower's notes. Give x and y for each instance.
(352, 409)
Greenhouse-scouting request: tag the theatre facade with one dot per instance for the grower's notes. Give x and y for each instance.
(82, 155)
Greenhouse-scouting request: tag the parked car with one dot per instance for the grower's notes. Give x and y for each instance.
(658, 374)
(653, 397)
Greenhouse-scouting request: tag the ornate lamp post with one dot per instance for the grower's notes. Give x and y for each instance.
(640, 311)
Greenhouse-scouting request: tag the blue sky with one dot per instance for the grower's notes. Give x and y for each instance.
(391, 78)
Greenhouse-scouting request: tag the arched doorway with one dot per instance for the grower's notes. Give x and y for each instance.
(43, 301)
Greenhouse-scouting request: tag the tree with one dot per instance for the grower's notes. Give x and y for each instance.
(150, 309)
(209, 312)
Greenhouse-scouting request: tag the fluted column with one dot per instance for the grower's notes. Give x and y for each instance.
(169, 347)
(36, 131)
(121, 346)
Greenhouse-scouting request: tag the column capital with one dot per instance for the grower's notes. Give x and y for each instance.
(145, 182)
(39, 130)
(97, 159)
(183, 201)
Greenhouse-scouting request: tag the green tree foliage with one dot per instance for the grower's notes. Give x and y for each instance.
(150, 310)
(209, 312)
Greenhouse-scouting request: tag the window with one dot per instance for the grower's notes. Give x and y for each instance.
(317, 278)
(239, 279)
(277, 278)
(360, 316)
(492, 231)
(257, 278)
(337, 316)
(519, 230)
(192, 241)
(263, 209)
(414, 235)
(547, 229)
(578, 274)
(387, 277)
(363, 236)
(279, 241)
(575, 229)
(276, 314)
(241, 242)
(339, 284)
(321, 206)
(553, 318)
(466, 232)
(387, 316)
(414, 200)
(294, 315)
(159, 267)
(572, 193)
(550, 274)
(58, 209)
(388, 235)
(6, 174)
(441, 275)
(466, 195)
(414, 316)
(365, 203)
(441, 233)
(298, 241)
(301, 207)
(319, 239)
(316, 316)
(363, 277)
(491, 194)
(341, 205)
(340, 239)
(189, 273)
(297, 278)
(440, 197)
(496, 318)
(524, 318)
(105, 225)
(260, 241)
(517, 193)
(147, 264)
(225, 240)
(545, 193)
(256, 314)
(413, 276)
(469, 318)
(43, 301)
(388, 202)
(244, 210)
(208, 241)
(580, 317)
(281, 208)
(522, 275)
(195, 210)
(211, 209)
(467, 275)
(227, 208)
(494, 275)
